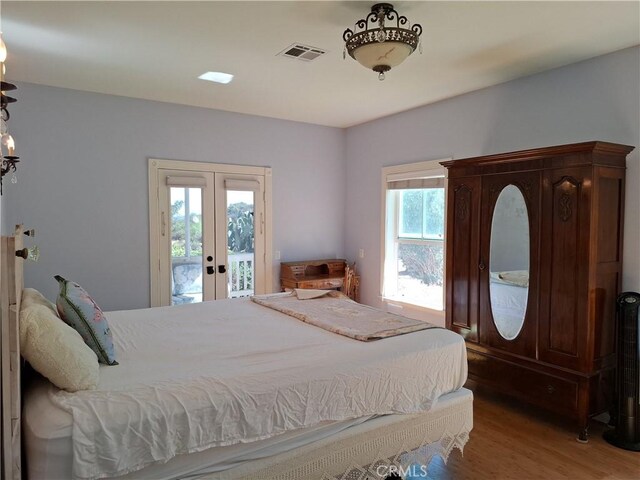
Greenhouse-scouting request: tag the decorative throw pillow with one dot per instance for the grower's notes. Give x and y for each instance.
(56, 350)
(78, 309)
(31, 296)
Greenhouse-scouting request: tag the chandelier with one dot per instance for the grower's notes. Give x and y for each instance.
(379, 46)
(8, 158)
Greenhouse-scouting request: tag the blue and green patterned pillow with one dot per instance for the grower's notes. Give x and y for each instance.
(79, 311)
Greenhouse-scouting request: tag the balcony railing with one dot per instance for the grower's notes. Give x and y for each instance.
(240, 275)
(187, 277)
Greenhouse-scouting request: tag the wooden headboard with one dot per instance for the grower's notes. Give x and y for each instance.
(11, 284)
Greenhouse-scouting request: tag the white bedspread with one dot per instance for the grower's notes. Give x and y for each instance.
(509, 305)
(201, 375)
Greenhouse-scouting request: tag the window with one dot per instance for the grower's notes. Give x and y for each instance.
(414, 235)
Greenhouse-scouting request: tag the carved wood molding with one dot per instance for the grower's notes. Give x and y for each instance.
(565, 204)
(525, 186)
(463, 198)
(565, 207)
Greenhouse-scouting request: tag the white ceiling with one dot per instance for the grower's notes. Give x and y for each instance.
(156, 50)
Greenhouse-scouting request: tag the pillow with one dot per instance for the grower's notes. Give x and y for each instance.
(78, 310)
(56, 350)
(31, 296)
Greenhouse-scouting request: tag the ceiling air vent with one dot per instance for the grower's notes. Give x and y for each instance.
(302, 52)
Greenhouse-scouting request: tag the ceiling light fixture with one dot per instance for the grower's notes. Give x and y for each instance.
(8, 157)
(218, 77)
(380, 47)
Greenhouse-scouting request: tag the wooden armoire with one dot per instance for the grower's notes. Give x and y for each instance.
(566, 272)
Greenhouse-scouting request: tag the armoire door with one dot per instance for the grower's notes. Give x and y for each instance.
(463, 229)
(564, 270)
(508, 263)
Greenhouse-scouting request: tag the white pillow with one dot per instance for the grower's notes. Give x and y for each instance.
(56, 350)
(31, 296)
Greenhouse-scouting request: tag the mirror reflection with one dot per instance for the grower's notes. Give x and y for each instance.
(509, 262)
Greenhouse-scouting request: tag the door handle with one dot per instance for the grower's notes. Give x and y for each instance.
(221, 268)
(210, 270)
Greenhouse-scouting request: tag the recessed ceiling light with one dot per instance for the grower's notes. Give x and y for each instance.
(217, 77)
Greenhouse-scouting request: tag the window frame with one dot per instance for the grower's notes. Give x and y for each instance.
(429, 168)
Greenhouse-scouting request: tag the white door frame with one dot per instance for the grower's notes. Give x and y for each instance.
(155, 221)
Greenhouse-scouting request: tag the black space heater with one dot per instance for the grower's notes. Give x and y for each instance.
(626, 414)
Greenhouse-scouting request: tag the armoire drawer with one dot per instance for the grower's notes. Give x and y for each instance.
(533, 386)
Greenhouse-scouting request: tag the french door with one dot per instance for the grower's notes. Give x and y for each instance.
(209, 231)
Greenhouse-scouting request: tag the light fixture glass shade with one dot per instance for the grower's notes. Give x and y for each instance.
(382, 40)
(387, 53)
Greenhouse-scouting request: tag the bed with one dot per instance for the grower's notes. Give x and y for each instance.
(509, 292)
(282, 399)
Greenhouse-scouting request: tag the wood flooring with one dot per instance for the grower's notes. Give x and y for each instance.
(511, 441)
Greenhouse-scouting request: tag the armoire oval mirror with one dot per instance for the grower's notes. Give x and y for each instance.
(509, 262)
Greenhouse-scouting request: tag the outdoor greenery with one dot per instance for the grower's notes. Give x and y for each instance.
(239, 230)
(422, 213)
(240, 240)
(423, 261)
(178, 237)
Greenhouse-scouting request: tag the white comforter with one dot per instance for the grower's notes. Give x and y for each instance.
(197, 376)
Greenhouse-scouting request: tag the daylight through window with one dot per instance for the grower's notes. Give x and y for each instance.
(414, 239)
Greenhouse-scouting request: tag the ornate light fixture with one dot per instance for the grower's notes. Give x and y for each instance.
(378, 46)
(8, 158)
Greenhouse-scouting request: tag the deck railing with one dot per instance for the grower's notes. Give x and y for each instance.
(240, 275)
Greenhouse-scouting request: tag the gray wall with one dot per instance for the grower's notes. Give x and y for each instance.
(83, 179)
(593, 100)
(83, 183)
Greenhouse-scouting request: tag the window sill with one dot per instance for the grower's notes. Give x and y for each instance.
(412, 306)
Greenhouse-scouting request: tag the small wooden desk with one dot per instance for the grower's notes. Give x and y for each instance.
(327, 274)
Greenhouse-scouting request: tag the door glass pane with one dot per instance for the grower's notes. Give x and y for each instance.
(240, 243)
(186, 245)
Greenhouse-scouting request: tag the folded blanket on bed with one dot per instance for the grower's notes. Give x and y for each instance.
(337, 313)
(519, 278)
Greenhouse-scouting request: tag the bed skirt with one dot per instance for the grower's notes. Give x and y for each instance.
(372, 450)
